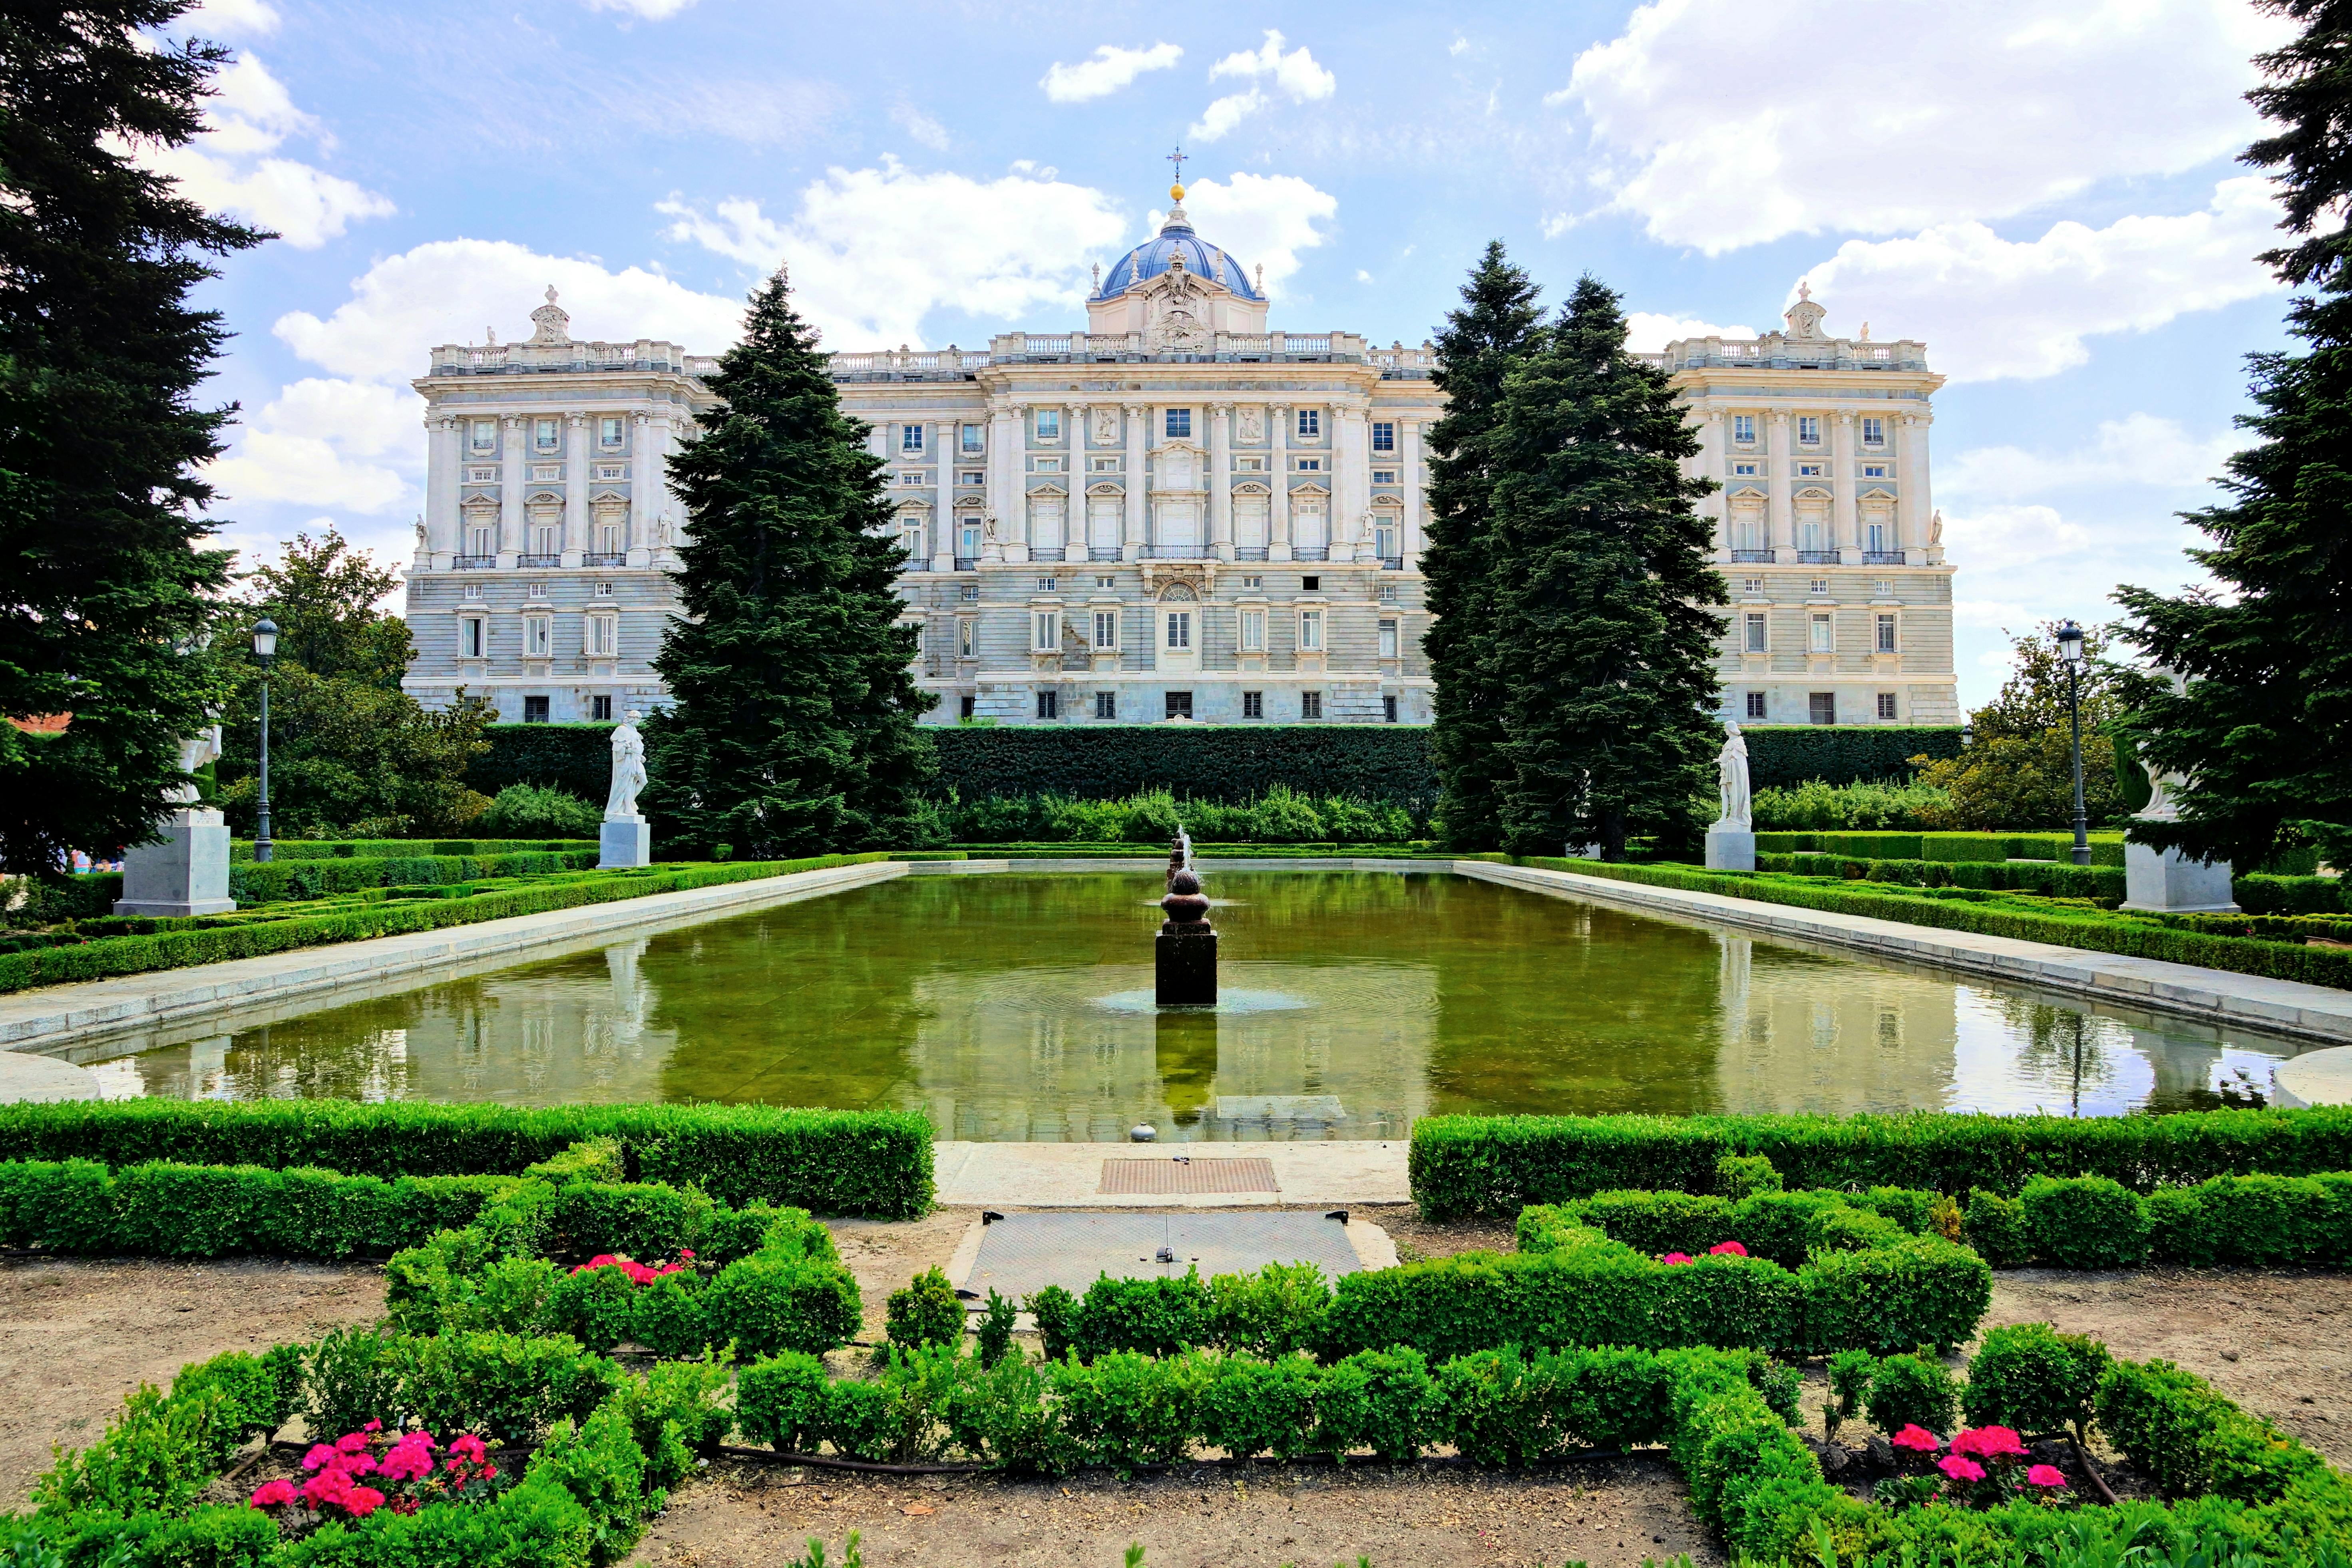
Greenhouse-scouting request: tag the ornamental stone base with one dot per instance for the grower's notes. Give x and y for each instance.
(187, 874)
(1730, 848)
(627, 842)
(2168, 882)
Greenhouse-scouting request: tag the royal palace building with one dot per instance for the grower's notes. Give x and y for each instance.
(1175, 514)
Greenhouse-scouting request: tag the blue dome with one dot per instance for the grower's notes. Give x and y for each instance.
(1151, 259)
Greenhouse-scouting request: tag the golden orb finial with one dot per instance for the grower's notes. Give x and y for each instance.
(1176, 193)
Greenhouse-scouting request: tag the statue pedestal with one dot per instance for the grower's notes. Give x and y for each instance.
(626, 842)
(1730, 848)
(2167, 881)
(187, 874)
(1185, 967)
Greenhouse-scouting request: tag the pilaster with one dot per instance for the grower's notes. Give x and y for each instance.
(1277, 521)
(1779, 517)
(1220, 481)
(511, 459)
(575, 486)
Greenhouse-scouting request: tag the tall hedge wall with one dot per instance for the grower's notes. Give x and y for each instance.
(1790, 755)
(577, 757)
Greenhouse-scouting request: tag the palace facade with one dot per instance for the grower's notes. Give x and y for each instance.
(1178, 513)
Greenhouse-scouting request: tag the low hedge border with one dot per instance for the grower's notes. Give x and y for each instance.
(2043, 876)
(276, 880)
(1495, 1165)
(284, 850)
(870, 1163)
(2092, 932)
(2106, 848)
(181, 949)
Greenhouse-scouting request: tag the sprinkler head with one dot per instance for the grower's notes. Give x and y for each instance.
(1143, 1133)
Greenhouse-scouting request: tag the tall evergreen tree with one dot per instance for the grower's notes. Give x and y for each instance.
(2263, 728)
(794, 728)
(1603, 573)
(1498, 325)
(103, 587)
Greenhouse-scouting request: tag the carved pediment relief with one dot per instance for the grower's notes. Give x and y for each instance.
(1106, 422)
(1813, 495)
(545, 499)
(608, 497)
(1251, 488)
(1106, 487)
(1313, 488)
(1048, 488)
(1251, 423)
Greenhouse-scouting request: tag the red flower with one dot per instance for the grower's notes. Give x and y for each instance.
(1917, 1438)
(319, 1454)
(1960, 1468)
(1990, 1442)
(1676, 1257)
(273, 1494)
(1726, 1249)
(2045, 1476)
(363, 1501)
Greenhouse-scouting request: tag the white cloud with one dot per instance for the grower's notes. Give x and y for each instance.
(873, 251)
(2011, 536)
(1108, 70)
(1947, 113)
(926, 130)
(1263, 219)
(1988, 308)
(2138, 450)
(314, 443)
(217, 18)
(650, 10)
(1459, 46)
(1648, 332)
(1295, 74)
(251, 112)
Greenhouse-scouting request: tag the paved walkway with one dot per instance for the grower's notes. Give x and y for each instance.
(2318, 1078)
(1071, 1175)
(2286, 1006)
(56, 1015)
(24, 1078)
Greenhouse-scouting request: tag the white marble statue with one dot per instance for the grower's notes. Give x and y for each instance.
(203, 747)
(629, 769)
(1731, 778)
(2160, 806)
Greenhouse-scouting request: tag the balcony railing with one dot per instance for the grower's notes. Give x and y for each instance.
(1311, 552)
(1817, 557)
(967, 562)
(472, 563)
(1102, 553)
(1391, 562)
(1752, 557)
(539, 563)
(1249, 552)
(1881, 558)
(1175, 552)
(602, 560)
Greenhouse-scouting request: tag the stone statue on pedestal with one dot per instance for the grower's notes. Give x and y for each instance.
(627, 839)
(2166, 880)
(187, 873)
(1731, 842)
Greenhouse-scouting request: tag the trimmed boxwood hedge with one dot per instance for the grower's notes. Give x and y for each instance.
(180, 949)
(378, 848)
(2093, 931)
(575, 757)
(1785, 755)
(873, 1162)
(1385, 763)
(2106, 848)
(1495, 1165)
(252, 882)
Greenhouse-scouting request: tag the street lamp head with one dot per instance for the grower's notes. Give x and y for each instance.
(265, 637)
(2070, 645)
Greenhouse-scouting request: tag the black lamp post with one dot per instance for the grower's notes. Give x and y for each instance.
(265, 648)
(2070, 654)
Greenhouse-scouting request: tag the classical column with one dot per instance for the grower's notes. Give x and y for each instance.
(1709, 466)
(1074, 513)
(1005, 489)
(575, 486)
(510, 487)
(643, 506)
(1138, 421)
(442, 476)
(1911, 495)
(1845, 534)
(943, 549)
(1409, 471)
(1351, 488)
(1277, 520)
(1780, 526)
(1220, 481)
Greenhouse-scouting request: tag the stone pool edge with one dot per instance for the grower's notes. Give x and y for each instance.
(2280, 1006)
(56, 1015)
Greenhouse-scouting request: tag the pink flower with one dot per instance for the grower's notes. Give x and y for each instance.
(411, 1460)
(278, 1493)
(1676, 1257)
(1990, 1442)
(488, 1470)
(1960, 1468)
(1726, 1249)
(319, 1454)
(2045, 1476)
(328, 1487)
(686, 1255)
(363, 1501)
(373, 1426)
(468, 1446)
(351, 1442)
(1916, 1438)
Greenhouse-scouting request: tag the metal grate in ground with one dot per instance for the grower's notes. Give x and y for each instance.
(1024, 1253)
(1173, 1175)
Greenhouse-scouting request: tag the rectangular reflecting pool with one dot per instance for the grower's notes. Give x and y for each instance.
(1019, 1007)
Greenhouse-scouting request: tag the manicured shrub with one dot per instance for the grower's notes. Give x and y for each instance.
(509, 1387)
(634, 1219)
(1495, 1406)
(1383, 1400)
(1155, 1317)
(352, 1376)
(1056, 1311)
(65, 1206)
(1913, 1390)
(780, 1400)
(2086, 1222)
(2030, 1378)
(2261, 1221)
(597, 1307)
(1741, 1175)
(158, 1454)
(925, 1312)
(768, 1304)
(1124, 1410)
(1850, 1373)
(996, 1328)
(596, 1459)
(1995, 1226)
(1280, 1309)
(1006, 1416)
(531, 811)
(1249, 1406)
(666, 1317)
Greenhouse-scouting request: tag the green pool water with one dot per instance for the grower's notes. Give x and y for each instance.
(1017, 1007)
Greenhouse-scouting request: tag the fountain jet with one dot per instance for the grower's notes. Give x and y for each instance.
(1185, 971)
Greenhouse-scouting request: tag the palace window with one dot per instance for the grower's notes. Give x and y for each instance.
(1886, 705)
(1046, 584)
(1179, 704)
(1049, 705)
(1106, 629)
(1756, 705)
(1751, 584)
(1884, 587)
(1885, 634)
(1310, 705)
(1310, 585)
(910, 438)
(1249, 465)
(911, 476)
(600, 710)
(534, 710)
(964, 707)
(1822, 637)
(604, 639)
(1253, 631)
(536, 591)
(1106, 704)
(1809, 429)
(1253, 704)
(1388, 593)
(1104, 580)
(972, 477)
(1106, 464)
(1820, 707)
(1387, 639)
(486, 435)
(1310, 465)
(473, 637)
(1049, 424)
(1817, 585)
(538, 636)
(970, 528)
(1310, 631)
(1049, 465)
(1310, 423)
(1045, 631)
(1755, 641)
(545, 436)
(1874, 470)
(1743, 429)
(1180, 631)
(1743, 471)
(1180, 424)
(969, 593)
(546, 539)
(1384, 476)
(972, 438)
(604, 590)
(967, 638)
(473, 590)
(608, 539)
(1388, 709)
(1809, 470)
(1254, 582)
(608, 434)
(1873, 431)
(1383, 435)
(482, 542)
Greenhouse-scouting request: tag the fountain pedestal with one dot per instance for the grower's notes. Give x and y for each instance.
(1185, 952)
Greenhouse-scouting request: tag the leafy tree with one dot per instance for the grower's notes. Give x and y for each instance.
(2263, 725)
(348, 748)
(1603, 580)
(2017, 771)
(794, 728)
(1497, 327)
(105, 585)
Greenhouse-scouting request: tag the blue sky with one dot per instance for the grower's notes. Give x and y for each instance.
(2048, 198)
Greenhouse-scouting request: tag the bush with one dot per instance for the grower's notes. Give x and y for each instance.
(925, 1312)
(1382, 1400)
(767, 1304)
(1250, 1407)
(2035, 1379)
(1125, 1410)
(531, 811)
(2086, 1222)
(1738, 1175)
(1995, 1226)
(781, 1401)
(509, 1387)
(1385, 763)
(1867, 806)
(1913, 1390)
(996, 1328)
(1156, 1317)
(1278, 1310)
(597, 1307)
(668, 1318)
(352, 1377)
(1056, 1311)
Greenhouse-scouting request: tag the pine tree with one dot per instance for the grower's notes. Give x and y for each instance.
(1602, 563)
(1497, 327)
(2263, 729)
(794, 728)
(104, 585)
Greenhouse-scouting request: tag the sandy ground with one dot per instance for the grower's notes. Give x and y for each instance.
(75, 1337)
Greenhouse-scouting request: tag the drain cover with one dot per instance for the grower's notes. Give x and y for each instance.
(1182, 1174)
(1024, 1253)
